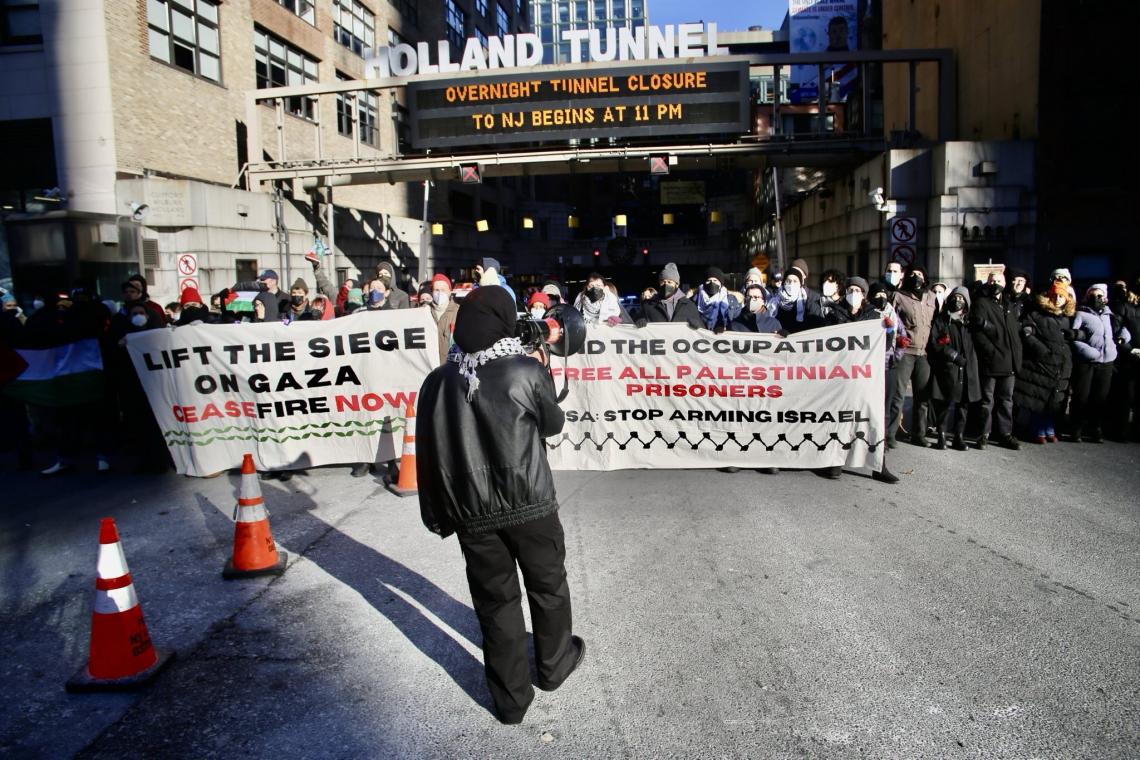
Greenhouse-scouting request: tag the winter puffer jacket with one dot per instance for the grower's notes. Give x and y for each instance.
(1100, 348)
(1047, 364)
(950, 339)
(994, 327)
(481, 464)
(747, 321)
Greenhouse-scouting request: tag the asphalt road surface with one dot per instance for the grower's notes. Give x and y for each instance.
(987, 606)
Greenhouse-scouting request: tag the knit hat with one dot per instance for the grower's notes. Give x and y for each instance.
(425, 290)
(485, 317)
(139, 281)
(596, 276)
(876, 289)
(539, 297)
(190, 295)
(489, 263)
(355, 295)
(441, 278)
(754, 272)
(860, 283)
(7, 297)
(757, 286)
(552, 288)
(1061, 272)
(715, 273)
(299, 283)
(800, 267)
(1102, 287)
(669, 272)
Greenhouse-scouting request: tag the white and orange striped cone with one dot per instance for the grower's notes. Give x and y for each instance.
(122, 657)
(407, 484)
(255, 554)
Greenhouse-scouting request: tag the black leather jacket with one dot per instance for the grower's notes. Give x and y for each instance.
(481, 464)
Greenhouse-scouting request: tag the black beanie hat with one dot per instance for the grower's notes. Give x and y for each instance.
(486, 316)
(715, 272)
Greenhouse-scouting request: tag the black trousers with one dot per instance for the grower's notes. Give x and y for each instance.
(950, 424)
(539, 549)
(997, 405)
(1091, 382)
(1122, 399)
(914, 371)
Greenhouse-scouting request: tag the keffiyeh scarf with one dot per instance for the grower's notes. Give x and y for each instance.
(714, 309)
(785, 302)
(468, 363)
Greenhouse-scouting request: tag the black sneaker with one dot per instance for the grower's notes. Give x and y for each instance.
(361, 470)
(959, 443)
(940, 443)
(918, 439)
(1009, 442)
(885, 476)
(982, 444)
(728, 469)
(578, 643)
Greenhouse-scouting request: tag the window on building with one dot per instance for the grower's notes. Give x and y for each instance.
(502, 21)
(462, 206)
(185, 33)
(520, 7)
(20, 22)
(246, 269)
(619, 9)
(403, 119)
(481, 7)
(354, 26)
(409, 9)
(600, 10)
(456, 19)
(564, 13)
(394, 38)
(279, 64)
(368, 114)
(544, 12)
(302, 8)
(636, 9)
(479, 35)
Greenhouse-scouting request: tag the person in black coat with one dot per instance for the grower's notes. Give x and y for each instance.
(670, 304)
(1122, 395)
(797, 306)
(996, 333)
(953, 367)
(483, 474)
(754, 316)
(1048, 363)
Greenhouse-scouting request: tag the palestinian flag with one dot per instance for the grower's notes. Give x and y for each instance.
(240, 300)
(64, 375)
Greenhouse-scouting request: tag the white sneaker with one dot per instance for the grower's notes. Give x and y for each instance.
(58, 468)
(104, 466)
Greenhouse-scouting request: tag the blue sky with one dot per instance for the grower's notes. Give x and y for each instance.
(729, 15)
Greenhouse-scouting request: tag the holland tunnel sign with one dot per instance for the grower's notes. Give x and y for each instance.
(697, 96)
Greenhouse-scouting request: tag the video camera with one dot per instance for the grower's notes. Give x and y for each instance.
(562, 331)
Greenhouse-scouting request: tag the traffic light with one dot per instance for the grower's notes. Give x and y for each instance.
(645, 251)
(471, 174)
(597, 252)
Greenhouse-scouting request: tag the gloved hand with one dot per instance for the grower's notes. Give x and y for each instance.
(1069, 334)
(902, 341)
(960, 359)
(888, 322)
(642, 322)
(981, 323)
(1083, 335)
(1027, 331)
(614, 320)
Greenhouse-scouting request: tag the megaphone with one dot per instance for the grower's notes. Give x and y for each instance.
(562, 330)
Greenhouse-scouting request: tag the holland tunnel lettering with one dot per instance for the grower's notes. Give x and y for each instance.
(693, 97)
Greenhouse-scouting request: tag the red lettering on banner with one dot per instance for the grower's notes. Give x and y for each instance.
(349, 402)
(211, 411)
(178, 414)
(857, 371)
(682, 371)
(372, 402)
(627, 373)
(401, 401)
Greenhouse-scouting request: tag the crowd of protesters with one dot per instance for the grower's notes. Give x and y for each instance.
(995, 362)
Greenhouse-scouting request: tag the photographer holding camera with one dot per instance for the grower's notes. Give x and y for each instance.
(483, 474)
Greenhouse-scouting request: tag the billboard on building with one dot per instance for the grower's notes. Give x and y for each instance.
(819, 26)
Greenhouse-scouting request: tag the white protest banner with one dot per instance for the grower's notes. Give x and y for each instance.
(668, 396)
(293, 395)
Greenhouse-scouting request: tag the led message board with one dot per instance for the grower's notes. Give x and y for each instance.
(695, 96)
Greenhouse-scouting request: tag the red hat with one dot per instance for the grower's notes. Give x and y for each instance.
(190, 295)
(539, 297)
(441, 278)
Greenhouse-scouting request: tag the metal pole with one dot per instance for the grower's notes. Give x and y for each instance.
(279, 106)
(821, 99)
(781, 254)
(913, 128)
(865, 99)
(425, 237)
(331, 270)
(354, 120)
(776, 90)
(278, 214)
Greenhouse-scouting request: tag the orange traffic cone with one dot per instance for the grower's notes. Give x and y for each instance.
(122, 657)
(407, 485)
(254, 551)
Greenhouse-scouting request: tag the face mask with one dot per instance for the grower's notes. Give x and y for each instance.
(916, 282)
(1119, 293)
(296, 300)
(830, 289)
(993, 289)
(439, 298)
(855, 300)
(385, 276)
(139, 320)
(667, 291)
(939, 298)
(712, 288)
(594, 294)
(955, 306)
(880, 302)
(375, 297)
(37, 305)
(1097, 302)
(792, 289)
(538, 313)
(893, 278)
(554, 299)
(755, 305)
